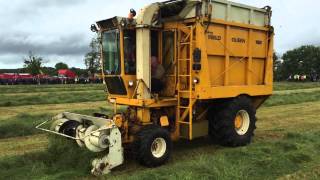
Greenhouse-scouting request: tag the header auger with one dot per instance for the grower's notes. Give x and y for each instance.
(101, 136)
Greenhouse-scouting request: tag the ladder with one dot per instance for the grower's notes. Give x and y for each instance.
(185, 82)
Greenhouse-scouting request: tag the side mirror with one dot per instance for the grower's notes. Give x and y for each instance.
(94, 28)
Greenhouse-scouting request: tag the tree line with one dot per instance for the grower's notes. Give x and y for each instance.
(35, 65)
(302, 61)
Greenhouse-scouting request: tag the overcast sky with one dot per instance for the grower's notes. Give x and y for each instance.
(58, 30)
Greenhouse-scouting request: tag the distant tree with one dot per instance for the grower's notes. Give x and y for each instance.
(92, 58)
(79, 72)
(18, 70)
(49, 71)
(33, 64)
(303, 61)
(276, 66)
(61, 65)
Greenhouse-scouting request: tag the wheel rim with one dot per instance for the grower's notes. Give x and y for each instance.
(242, 122)
(158, 147)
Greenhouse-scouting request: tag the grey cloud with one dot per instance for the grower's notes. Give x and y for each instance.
(11, 59)
(58, 29)
(72, 60)
(55, 3)
(65, 45)
(34, 8)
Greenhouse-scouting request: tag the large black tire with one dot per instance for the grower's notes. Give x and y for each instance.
(145, 141)
(222, 122)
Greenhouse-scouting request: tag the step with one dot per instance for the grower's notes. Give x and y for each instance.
(183, 122)
(184, 91)
(185, 43)
(184, 107)
(184, 59)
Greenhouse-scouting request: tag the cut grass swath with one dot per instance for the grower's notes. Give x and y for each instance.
(50, 88)
(266, 159)
(24, 124)
(279, 86)
(51, 98)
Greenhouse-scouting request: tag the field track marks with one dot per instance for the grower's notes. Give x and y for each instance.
(292, 118)
(7, 112)
(21, 145)
(285, 92)
(273, 122)
(53, 92)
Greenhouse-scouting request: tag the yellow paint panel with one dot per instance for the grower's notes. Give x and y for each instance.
(216, 66)
(234, 91)
(238, 41)
(258, 71)
(237, 71)
(259, 43)
(216, 40)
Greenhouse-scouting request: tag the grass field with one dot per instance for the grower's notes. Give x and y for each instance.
(286, 143)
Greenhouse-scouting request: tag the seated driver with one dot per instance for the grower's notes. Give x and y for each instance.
(157, 74)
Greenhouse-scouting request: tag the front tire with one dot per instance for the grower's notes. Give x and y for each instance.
(233, 122)
(153, 146)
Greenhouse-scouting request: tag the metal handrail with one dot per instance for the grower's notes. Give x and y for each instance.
(64, 135)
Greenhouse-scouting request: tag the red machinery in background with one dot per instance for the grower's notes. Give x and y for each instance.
(65, 76)
(66, 73)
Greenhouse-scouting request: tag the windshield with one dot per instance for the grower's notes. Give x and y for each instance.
(111, 52)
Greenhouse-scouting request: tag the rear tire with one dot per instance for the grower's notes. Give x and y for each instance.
(232, 123)
(153, 146)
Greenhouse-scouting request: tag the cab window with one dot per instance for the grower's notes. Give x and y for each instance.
(129, 51)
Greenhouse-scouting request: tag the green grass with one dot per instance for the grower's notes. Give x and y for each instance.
(49, 88)
(261, 160)
(21, 125)
(293, 98)
(293, 150)
(279, 86)
(24, 124)
(69, 94)
(51, 98)
(61, 160)
(50, 94)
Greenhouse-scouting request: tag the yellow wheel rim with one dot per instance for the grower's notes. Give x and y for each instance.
(238, 121)
(242, 122)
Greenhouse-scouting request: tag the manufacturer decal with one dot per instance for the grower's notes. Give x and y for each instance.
(259, 42)
(238, 40)
(214, 37)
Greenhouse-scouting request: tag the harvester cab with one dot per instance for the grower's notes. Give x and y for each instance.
(184, 69)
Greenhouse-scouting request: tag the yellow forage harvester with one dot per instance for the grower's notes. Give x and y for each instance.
(185, 69)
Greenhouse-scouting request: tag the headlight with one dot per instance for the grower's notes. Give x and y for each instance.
(131, 83)
(196, 80)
